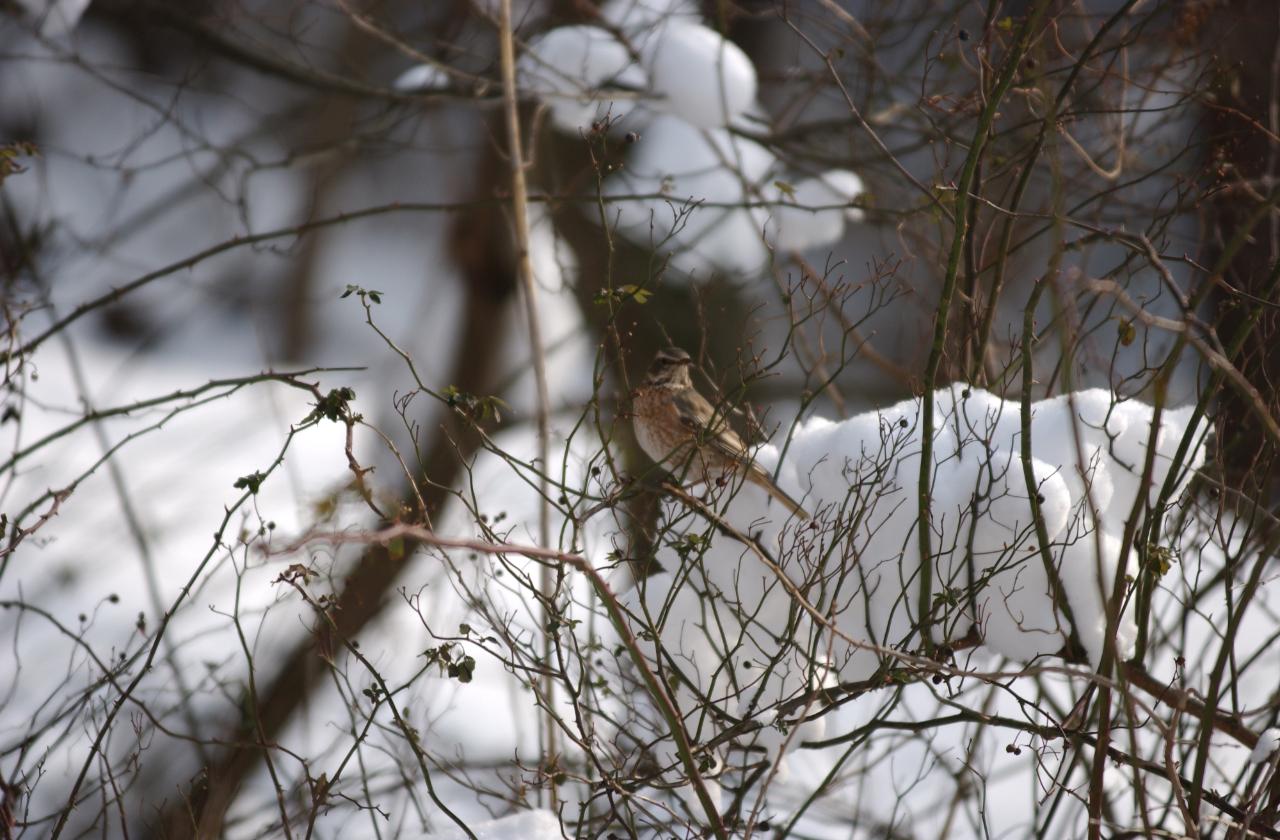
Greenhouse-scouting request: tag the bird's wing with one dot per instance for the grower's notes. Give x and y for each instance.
(710, 426)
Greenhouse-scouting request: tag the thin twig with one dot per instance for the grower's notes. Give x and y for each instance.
(524, 268)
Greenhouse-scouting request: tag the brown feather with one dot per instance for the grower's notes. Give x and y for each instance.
(677, 427)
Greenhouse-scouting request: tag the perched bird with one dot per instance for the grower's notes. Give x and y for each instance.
(678, 428)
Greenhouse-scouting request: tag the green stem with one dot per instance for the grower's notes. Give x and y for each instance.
(961, 216)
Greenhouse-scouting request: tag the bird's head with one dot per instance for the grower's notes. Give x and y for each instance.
(670, 369)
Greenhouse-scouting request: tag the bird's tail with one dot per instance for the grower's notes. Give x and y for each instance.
(758, 476)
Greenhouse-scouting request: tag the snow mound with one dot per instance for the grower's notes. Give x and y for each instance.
(692, 187)
(422, 77)
(696, 176)
(525, 825)
(567, 68)
(699, 75)
(1268, 742)
(859, 560)
(634, 17)
(813, 212)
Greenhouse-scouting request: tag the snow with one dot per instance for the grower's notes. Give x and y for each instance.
(698, 75)
(1268, 743)
(695, 83)
(565, 68)
(494, 594)
(634, 17)
(717, 612)
(86, 562)
(420, 78)
(566, 339)
(863, 472)
(699, 171)
(813, 212)
(525, 825)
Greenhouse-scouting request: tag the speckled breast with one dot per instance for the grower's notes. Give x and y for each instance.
(658, 428)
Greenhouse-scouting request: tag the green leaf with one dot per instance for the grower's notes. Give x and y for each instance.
(372, 294)
(251, 482)
(1127, 331)
(463, 670)
(488, 407)
(1160, 559)
(620, 294)
(477, 408)
(638, 294)
(333, 405)
(9, 155)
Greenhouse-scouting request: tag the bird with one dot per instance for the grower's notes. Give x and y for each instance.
(678, 428)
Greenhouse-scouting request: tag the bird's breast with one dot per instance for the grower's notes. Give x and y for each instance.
(657, 425)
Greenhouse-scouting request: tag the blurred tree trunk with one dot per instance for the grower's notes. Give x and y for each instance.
(1243, 124)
